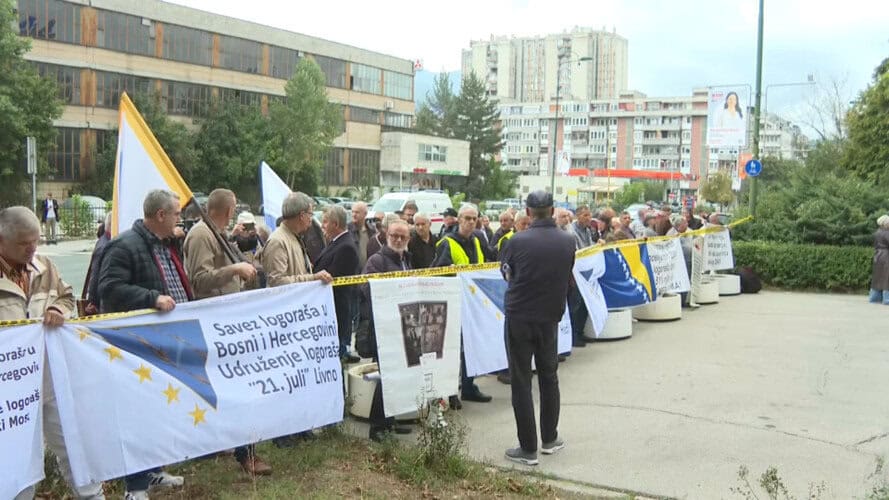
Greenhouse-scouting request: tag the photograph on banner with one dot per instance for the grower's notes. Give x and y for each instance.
(417, 324)
(727, 116)
(587, 271)
(208, 376)
(21, 408)
(483, 314)
(718, 251)
(668, 265)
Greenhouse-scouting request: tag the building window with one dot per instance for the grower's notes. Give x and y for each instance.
(334, 71)
(364, 166)
(431, 152)
(188, 45)
(282, 62)
(365, 78)
(398, 85)
(187, 99)
(332, 173)
(239, 54)
(64, 159)
(242, 97)
(49, 20)
(67, 79)
(110, 86)
(398, 120)
(364, 115)
(124, 33)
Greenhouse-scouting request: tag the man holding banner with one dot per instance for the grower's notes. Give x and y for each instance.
(141, 270)
(537, 265)
(31, 287)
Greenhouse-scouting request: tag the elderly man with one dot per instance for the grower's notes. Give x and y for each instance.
(141, 269)
(284, 258)
(409, 211)
(585, 234)
(625, 223)
(392, 257)
(31, 287)
(563, 219)
(422, 244)
(506, 223)
(362, 232)
(537, 266)
(459, 248)
(211, 274)
(340, 258)
(450, 222)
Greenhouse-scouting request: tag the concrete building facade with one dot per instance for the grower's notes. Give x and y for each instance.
(415, 161)
(97, 49)
(527, 69)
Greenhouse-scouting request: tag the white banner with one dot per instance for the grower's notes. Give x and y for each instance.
(697, 265)
(149, 390)
(727, 117)
(587, 271)
(21, 403)
(417, 322)
(668, 265)
(483, 322)
(718, 251)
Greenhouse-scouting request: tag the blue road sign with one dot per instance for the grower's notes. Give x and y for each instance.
(753, 167)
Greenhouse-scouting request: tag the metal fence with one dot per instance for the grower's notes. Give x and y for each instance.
(80, 222)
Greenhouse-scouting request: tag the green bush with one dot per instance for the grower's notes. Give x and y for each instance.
(806, 266)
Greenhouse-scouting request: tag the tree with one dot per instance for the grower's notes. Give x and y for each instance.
(476, 120)
(28, 105)
(230, 144)
(303, 128)
(437, 116)
(500, 183)
(867, 153)
(826, 109)
(718, 189)
(633, 192)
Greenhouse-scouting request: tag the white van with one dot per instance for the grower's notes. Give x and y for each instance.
(432, 203)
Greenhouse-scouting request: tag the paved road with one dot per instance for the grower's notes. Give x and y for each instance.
(791, 380)
(72, 258)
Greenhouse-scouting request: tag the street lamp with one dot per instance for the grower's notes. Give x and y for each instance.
(561, 61)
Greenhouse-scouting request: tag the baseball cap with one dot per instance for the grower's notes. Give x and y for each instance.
(246, 218)
(450, 211)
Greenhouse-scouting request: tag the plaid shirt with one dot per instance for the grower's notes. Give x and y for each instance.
(171, 276)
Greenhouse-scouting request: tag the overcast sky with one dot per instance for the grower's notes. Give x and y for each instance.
(674, 45)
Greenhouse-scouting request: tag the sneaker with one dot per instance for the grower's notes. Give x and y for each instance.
(553, 446)
(164, 480)
(521, 456)
(136, 495)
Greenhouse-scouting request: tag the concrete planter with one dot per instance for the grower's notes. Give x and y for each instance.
(619, 325)
(665, 308)
(729, 284)
(709, 292)
(361, 392)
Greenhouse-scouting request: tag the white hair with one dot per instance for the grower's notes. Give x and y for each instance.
(883, 222)
(17, 220)
(421, 215)
(466, 209)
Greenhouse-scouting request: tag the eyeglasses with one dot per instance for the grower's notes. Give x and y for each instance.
(401, 237)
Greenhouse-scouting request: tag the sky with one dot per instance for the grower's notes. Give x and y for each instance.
(674, 45)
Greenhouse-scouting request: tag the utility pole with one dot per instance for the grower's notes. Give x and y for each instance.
(552, 173)
(756, 110)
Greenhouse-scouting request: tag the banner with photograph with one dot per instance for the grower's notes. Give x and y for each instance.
(718, 251)
(483, 316)
(727, 117)
(208, 376)
(668, 265)
(417, 322)
(21, 408)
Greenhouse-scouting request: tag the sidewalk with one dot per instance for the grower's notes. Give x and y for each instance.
(791, 380)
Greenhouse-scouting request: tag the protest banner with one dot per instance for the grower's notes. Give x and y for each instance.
(21, 408)
(668, 265)
(483, 315)
(208, 376)
(697, 266)
(417, 324)
(587, 271)
(718, 251)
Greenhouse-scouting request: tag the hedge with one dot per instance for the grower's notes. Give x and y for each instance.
(806, 266)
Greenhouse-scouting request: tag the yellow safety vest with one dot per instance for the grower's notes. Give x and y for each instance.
(458, 255)
(505, 238)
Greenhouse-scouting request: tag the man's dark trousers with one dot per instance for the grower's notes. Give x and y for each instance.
(577, 312)
(525, 339)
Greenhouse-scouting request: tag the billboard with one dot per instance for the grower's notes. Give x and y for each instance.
(727, 117)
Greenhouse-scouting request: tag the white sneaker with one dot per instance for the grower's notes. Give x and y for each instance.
(550, 448)
(164, 480)
(136, 495)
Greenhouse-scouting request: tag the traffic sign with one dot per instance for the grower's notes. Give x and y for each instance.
(753, 168)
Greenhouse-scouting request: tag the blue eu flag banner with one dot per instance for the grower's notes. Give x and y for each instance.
(628, 279)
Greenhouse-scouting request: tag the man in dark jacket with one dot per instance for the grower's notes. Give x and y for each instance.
(363, 231)
(392, 257)
(142, 270)
(340, 258)
(450, 222)
(50, 218)
(422, 245)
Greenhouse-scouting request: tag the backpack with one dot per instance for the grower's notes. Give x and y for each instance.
(750, 282)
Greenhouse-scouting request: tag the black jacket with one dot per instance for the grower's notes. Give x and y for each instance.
(340, 258)
(129, 276)
(537, 264)
(313, 240)
(422, 253)
(384, 261)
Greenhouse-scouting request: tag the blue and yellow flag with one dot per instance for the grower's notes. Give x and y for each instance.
(628, 279)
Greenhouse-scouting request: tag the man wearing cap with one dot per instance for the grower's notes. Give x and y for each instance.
(459, 248)
(244, 235)
(450, 223)
(537, 266)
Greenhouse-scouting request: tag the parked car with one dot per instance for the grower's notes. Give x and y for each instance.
(493, 209)
(514, 203)
(432, 203)
(97, 207)
(339, 199)
(634, 210)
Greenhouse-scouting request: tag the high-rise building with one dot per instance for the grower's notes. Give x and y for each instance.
(586, 64)
(782, 139)
(98, 49)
